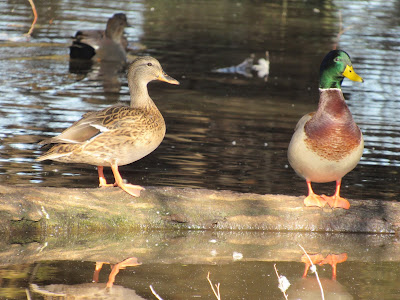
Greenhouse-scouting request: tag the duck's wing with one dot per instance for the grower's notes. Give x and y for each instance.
(94, 123)
(90, 125)
(85, 43)
(79, 132)
(92, 38)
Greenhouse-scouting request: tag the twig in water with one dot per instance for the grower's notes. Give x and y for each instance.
(154, 293)
(313, 268)
(283, 282)
(215, 291)
(34, 19)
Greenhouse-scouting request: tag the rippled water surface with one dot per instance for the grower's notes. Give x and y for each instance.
(224, 131)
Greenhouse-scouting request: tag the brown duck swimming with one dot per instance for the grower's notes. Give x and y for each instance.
(327, 144)
(102, 45)
(118, 135)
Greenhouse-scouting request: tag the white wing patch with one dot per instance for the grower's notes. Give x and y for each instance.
(99, 127)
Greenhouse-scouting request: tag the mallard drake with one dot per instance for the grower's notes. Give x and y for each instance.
(118, 135)
(327, 144)
(103, 45)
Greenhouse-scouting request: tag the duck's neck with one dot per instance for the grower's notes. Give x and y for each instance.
(333, 120)
(114, 33)
(139, 94)
(330, 79)
(333, 106)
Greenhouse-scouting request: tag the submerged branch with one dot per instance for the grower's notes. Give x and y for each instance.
(34, 19)
(214, 289)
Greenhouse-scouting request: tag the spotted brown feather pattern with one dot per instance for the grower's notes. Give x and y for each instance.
(118, 135)
(123, 128)
(331, 132)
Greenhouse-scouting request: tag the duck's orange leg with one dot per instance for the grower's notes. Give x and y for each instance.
(131, 189)
(313, 199)
(102, 178)
(336, 201)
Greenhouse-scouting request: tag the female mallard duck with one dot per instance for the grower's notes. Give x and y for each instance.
(104, 45)
(118, 135)
(327, 144)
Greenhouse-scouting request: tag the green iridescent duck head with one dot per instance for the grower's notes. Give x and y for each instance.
(335, 66)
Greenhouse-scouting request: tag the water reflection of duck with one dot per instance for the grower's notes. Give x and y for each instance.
(327, 144)
(117, 135)
(93, 290)
(308, 287)
(105, 45)
(129, 262)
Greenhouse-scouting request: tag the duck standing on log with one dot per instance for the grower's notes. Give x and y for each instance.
(327, 144)
(118, 135)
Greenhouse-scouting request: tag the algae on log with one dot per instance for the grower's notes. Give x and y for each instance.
(79, 210)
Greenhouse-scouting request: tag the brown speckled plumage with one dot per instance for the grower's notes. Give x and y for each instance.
(117, 135)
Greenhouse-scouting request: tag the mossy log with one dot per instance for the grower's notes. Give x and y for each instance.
(52, 210)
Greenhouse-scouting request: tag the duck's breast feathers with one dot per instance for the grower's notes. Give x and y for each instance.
(332, 132)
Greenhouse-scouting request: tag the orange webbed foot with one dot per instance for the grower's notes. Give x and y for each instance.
(103, 183)
(337, 201)
(314, 200)
(102, 179)
(131, 189)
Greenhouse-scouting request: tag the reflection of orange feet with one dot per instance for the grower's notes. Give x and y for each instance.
(129, 262)
(333, 260)
(315, 258)
(97, 270)
(337, 201)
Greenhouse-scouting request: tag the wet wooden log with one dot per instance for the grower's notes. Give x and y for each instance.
(52, 210)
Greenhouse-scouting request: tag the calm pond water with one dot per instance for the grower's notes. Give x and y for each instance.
(224, 131)
(176, 264)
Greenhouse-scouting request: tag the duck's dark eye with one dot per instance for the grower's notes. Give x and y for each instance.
(336, 59)
(149, 64)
